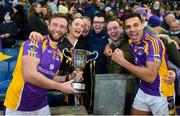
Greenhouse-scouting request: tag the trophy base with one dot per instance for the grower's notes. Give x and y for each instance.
(75, 108)
(79, 86)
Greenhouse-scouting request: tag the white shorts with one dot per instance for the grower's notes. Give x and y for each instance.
(157, 105)
(43, 111)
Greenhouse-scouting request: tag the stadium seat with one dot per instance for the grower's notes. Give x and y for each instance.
(4, 66)
(4, 70)
(4, 86)
(12, 65)
(12, 52)
(11, 69)
(4, 82)
(3, 89)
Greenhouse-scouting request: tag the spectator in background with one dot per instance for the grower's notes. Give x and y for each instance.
(155, 23)
(97, 40)
(46, 13)
(177, 13)
(142, 12)
(53, 4)
(63, 9)
(117, 39)
(8, 5)
(175, 29)
(87, 26)
(8, 32)
(73, 10)
(162, 12)
(20, 19)
(101, 8)
(2, 12)
(35, 21)
(89, 9)
(169, 17)
(155, 8)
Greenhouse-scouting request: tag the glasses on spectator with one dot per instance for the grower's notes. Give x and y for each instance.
(98, 22)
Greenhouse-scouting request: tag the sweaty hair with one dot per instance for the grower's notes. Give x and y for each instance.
(58, 15)
(132, 15)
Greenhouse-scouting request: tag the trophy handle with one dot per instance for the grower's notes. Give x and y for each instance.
(66, 49)
(95, 52)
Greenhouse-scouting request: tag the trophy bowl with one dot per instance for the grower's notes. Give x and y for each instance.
(79, 60)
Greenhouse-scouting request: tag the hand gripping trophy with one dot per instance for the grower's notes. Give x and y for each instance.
(79, 58)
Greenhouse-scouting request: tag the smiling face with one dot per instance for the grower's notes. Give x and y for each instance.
(175, 26)
(114, 30)
(57, 28)
(134, 29)
(44, 11)
(76, 27)
(87, 26)
(38, 8)
(98, 24)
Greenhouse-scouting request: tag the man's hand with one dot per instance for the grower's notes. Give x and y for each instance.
(118, 56)
(108, 51)
(66, 87)
(36, 36)
(170, 78)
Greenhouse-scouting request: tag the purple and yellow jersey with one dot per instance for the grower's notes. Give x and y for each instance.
(24, 96)
(151, 49)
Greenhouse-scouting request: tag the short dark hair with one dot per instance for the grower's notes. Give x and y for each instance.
(132, 15)
(59, 15)
(99, 14)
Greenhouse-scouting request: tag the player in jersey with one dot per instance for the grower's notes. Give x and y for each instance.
(35, 73)
(155, 95)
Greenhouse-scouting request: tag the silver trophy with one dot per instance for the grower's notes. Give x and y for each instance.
(79, 58)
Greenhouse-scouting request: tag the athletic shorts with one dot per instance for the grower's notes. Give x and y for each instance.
(157, 105)
(43, 111)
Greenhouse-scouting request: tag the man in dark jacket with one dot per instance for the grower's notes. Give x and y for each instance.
(97, 40)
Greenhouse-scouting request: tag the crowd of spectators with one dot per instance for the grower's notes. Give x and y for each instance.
(162, 19)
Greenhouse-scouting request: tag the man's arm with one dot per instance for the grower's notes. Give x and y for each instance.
(147, 74)
(75, 74)
(32, 76)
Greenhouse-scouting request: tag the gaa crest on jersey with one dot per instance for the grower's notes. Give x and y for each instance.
(33, 48)
(140, 50)
(32, 51)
